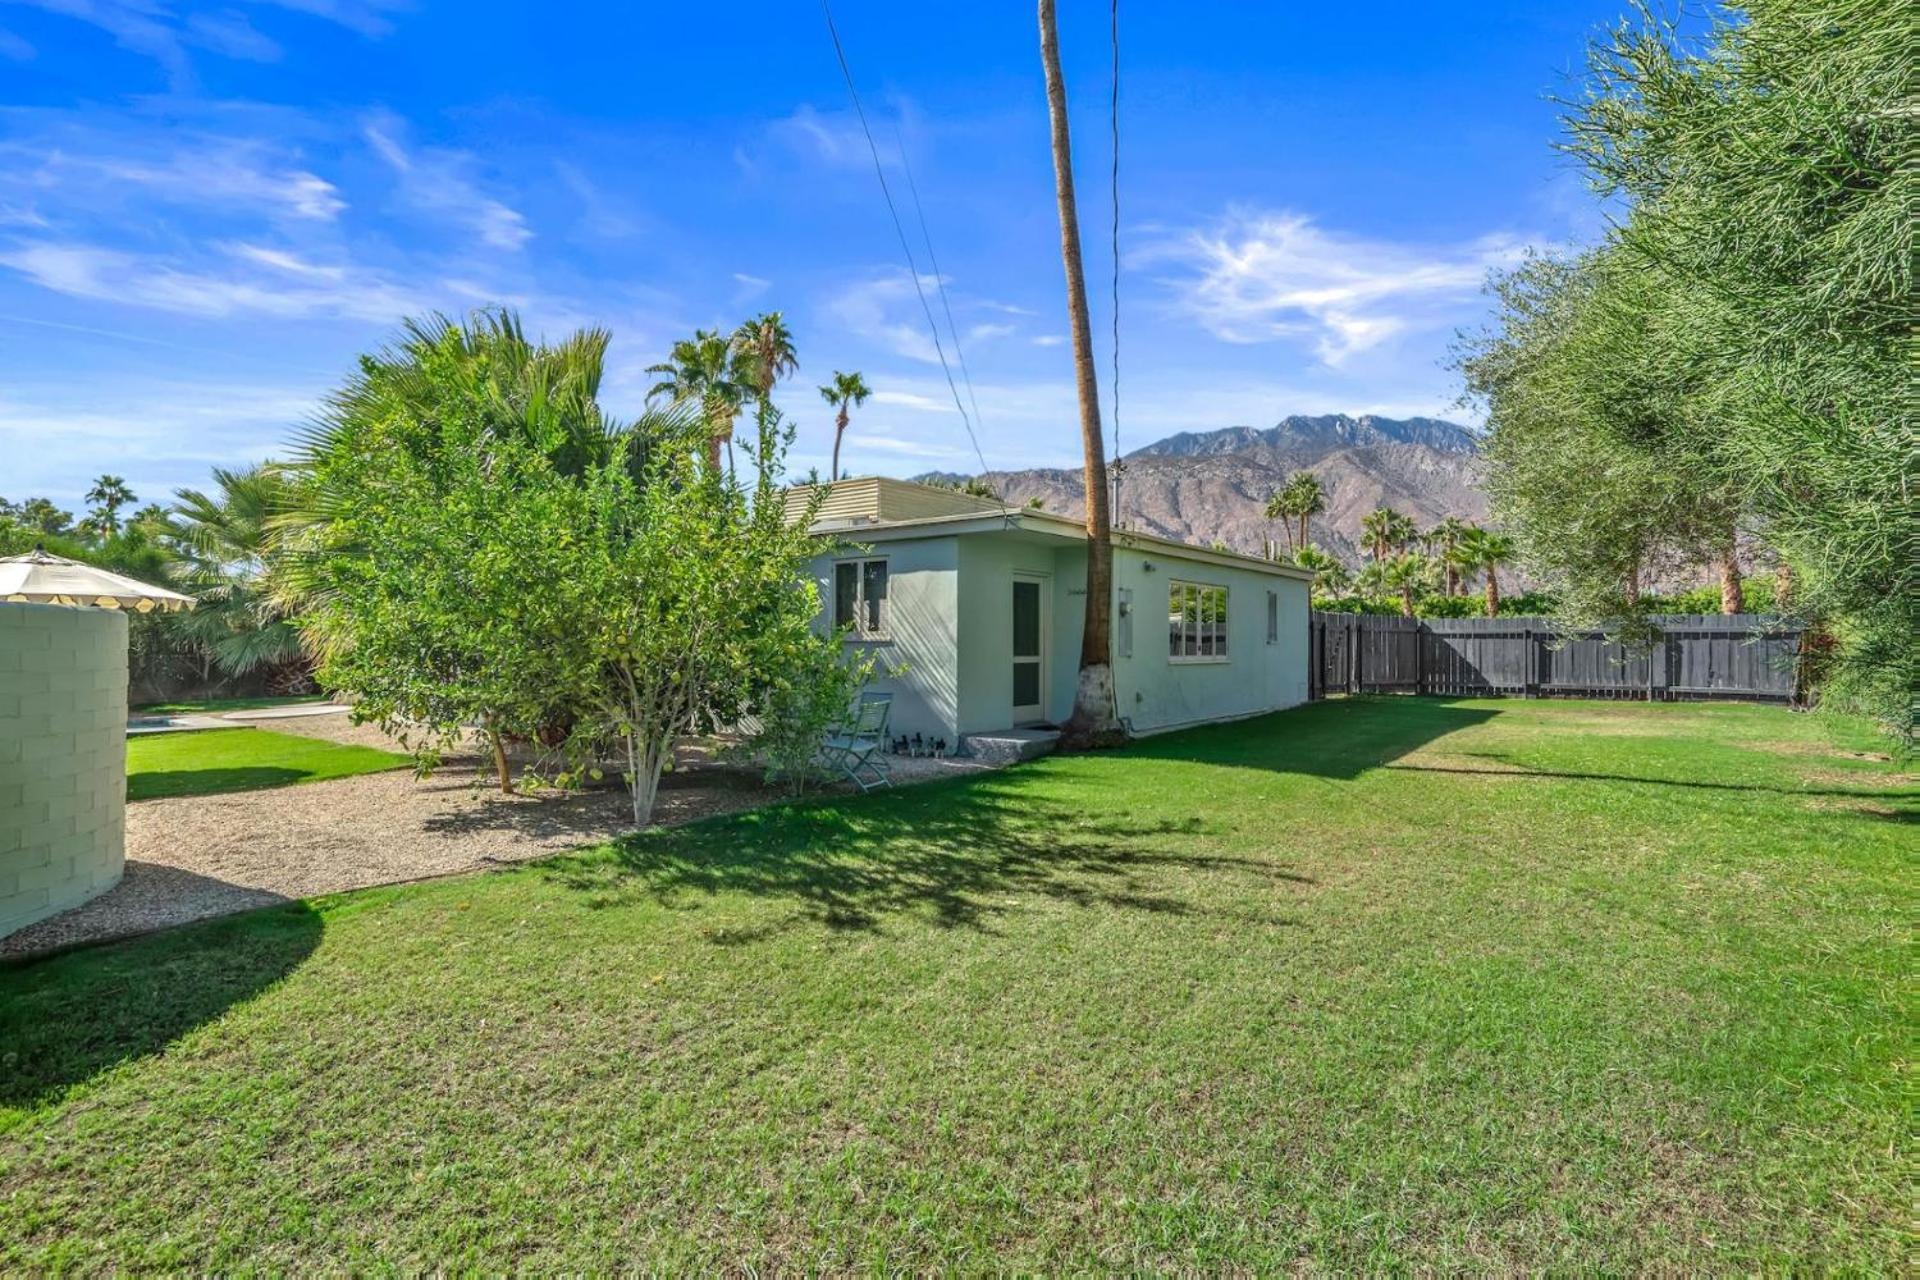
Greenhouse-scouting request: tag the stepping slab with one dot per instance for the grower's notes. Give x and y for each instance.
(1010, 746)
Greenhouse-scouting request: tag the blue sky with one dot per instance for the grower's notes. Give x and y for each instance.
(206, 210)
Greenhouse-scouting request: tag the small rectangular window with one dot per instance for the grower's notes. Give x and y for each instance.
(1196, 622)
(860, 597)
(1273, 617)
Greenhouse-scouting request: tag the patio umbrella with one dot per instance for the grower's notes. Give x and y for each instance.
(39, 578)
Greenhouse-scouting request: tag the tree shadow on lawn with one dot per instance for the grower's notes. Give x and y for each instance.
(160, 784)
(67, 1018)
(961, 852)
(1337, 740)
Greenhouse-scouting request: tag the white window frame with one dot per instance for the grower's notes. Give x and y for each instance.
(1202, 641)
(861, 631)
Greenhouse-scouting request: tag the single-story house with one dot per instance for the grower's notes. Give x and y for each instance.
(974, 610)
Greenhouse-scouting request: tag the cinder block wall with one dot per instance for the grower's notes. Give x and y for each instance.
(63, 757)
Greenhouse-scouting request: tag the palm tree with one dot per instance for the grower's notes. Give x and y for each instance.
(763, 352)
(846, 390)
(1330, 576)
(1406, 573)
(1446, 536)
(703, 370)
(1309, 499)
(1485, 551)
(1279, 507)
(1386, 531)
(108, 495)
(227, 539)
(1095, 720)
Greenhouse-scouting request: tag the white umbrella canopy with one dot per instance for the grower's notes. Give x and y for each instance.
(40, 578)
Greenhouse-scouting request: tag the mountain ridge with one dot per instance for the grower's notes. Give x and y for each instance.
(1207, 486)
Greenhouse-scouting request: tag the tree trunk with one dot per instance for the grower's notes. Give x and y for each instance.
(644, 764)
(1406, 602)
(500, 767)
(1303, 529)
(1631, 586)
(1782, 587)
(1731, 599)
(1493, 593)
(839, 430)
(1095, 721)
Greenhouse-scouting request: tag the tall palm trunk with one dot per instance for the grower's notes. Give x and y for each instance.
(1782, 587)
(1493, 593)
(1731, 600)
(839, 430)
(1095, 721)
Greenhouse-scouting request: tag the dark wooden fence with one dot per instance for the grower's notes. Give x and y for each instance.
(1739, 655)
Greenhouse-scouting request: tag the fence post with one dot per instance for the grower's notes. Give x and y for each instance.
(1419, 658)
(1529, 666)
(1359, 668)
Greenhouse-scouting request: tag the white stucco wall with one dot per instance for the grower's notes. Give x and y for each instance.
(1156, 693)
(922, 605)
(952, 619)
(63, 757)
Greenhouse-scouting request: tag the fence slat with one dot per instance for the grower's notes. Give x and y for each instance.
(1694, 656)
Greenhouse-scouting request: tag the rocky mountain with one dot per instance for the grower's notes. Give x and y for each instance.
(1208, 485)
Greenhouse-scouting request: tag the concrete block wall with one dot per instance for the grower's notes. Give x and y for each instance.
(63, 758)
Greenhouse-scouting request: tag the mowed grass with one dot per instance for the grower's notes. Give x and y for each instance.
(1394, 984)
(204, 761)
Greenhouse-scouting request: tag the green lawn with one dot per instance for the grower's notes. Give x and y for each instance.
(216, 706)
(1393, 984)
(202, 761)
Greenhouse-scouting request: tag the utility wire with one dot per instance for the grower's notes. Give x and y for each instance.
(879, 171)
(939, 280)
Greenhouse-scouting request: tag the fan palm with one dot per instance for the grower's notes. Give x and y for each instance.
(1485, 551)
(1406, 573)
(845, 391)
(226, 539)
(763, 353)
(1386, 531)
(703, 370)
(1330, 576)
(108, 495)
(1446, 537)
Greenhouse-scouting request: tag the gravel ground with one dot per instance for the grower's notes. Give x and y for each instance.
(192, 857)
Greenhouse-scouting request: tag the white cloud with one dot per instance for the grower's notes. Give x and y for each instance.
(1048, 340)
(988, 332)
(886, 310)
(911, 400)
(90, 168)
(1261, 276)
(147, 280)
(156, 31)
(836, 138)
(439, 182)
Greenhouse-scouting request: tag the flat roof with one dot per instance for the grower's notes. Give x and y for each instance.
(882, 509)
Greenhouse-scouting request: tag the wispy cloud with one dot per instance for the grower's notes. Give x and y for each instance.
(258, 281)
(1265, 276)
(155, 30)
(440, 182)
(14, 48)
(835, 138)
(88, 168)
(885, 310)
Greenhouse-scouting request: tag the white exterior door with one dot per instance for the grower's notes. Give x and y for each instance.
(1029, 650)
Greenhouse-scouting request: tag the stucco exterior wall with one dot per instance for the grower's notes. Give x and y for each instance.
(63, 757)
(1156, 693)
(922, 641)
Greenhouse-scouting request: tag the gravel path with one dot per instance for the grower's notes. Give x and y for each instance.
(193, 857)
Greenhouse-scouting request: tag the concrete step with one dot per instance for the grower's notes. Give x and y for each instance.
(1010, 746)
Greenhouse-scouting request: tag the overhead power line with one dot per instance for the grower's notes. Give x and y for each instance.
(913, 271)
